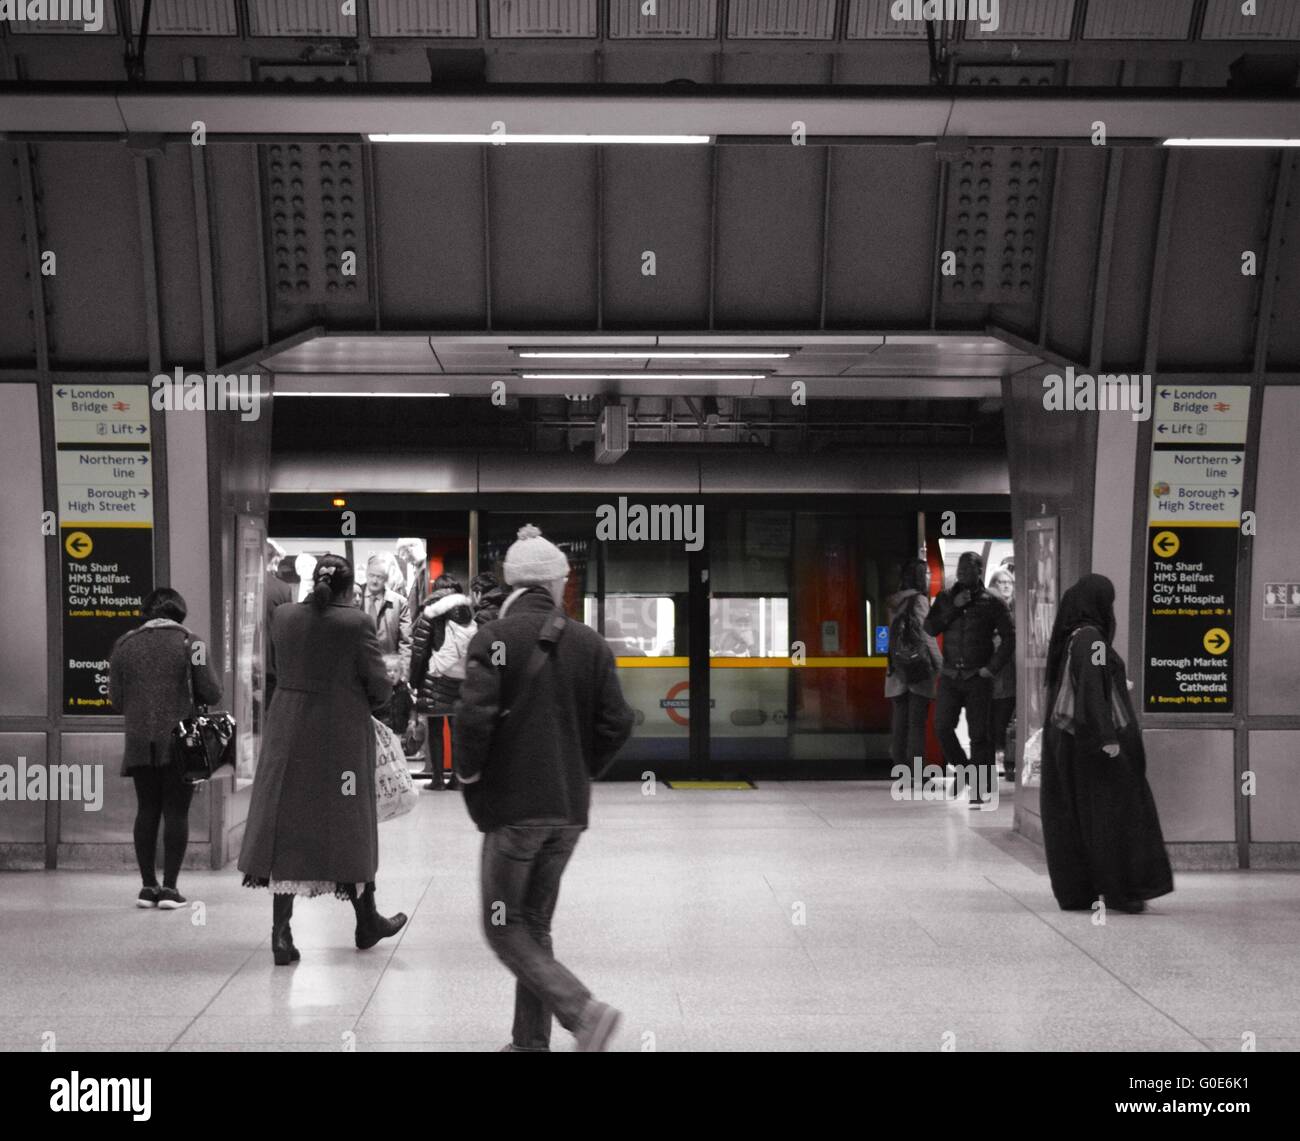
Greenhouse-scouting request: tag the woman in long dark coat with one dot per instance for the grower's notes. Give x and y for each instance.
(312, 823)
(1100, 827)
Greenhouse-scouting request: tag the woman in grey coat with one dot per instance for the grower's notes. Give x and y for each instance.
(312, 824)
(149, 683)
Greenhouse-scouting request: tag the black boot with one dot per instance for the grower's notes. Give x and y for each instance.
(371, 926)
(282, 948)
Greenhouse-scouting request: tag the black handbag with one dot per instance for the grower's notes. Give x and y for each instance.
(204, 744)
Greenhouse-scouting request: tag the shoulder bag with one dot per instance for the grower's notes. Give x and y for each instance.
(204, 744)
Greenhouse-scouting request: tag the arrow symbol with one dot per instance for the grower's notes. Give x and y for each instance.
(79, 547)
(1162, 428)
(1236, 459)
(144, 459)
(1165, 545)
(1235, 493)
(144, 492)
(61, 392)
(1216, 641)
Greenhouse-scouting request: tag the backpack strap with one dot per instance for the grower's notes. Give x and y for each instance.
(549, 637)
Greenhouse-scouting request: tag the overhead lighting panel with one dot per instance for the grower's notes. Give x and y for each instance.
(581, 140)
(1270, 143)
(653, 354)
(644, 376)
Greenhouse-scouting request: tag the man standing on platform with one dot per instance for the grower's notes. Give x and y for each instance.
(968, 616)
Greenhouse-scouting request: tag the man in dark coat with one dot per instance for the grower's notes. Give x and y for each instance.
(968, 616)
(541, 713)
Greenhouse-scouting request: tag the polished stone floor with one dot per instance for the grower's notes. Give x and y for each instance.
(803, 916)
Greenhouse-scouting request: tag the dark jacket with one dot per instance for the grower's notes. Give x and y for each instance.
(575, 722)
(488, 607)
(149, 684)
(918, 608)
(312, 815)
(435, 676)
(968, 631)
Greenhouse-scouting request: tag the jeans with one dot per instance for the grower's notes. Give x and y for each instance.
(522, 866)
(1004, 709)
(908, 726)
(976, 694)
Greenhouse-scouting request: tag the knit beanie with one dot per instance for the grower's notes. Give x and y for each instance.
(533, 560)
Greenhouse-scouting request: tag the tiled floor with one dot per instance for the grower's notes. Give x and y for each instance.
(806, 916)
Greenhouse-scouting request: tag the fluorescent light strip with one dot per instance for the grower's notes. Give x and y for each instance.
(657, 354)
(498, 139)
(420, 394)
(1232, 142)
(644, 376)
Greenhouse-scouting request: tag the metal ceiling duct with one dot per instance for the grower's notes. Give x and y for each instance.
(1027, 114)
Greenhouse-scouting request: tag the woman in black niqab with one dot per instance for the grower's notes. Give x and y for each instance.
(1101, 831)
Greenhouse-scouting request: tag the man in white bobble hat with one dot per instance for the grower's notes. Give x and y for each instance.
(540, 714)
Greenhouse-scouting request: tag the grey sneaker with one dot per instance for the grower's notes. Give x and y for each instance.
(599, 1021)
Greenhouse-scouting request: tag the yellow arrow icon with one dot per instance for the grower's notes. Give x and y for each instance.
(1165, 544)
(1216, 641)
(78, 544)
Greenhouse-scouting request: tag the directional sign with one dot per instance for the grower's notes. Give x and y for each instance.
(101, 414)
(1211, 415)
(1195, 484)
(105, 482)
(1194, 505)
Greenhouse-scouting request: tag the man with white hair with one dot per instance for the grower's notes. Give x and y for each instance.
(540, 714)
(388, 609)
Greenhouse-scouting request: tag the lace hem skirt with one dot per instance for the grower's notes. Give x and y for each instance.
(307, 888)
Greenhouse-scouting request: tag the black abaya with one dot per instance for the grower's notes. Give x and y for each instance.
(1101, 831)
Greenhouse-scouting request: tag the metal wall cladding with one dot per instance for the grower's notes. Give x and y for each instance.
(187, 17)
(299, 18)
(1275, 816)
(1124, 20)
(1025, 20)
(995, 222)
(522, 19)
(1224, 20)
(1191, 777)
(781, 19)
(873, 20)
(671, 19)
(22, 821)
(23, 676)
(107, 10)
(450, 18)
(315, 228)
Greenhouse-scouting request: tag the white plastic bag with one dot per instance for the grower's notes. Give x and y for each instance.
(1031, 775)
(395, 792)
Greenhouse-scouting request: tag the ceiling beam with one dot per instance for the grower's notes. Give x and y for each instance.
(757, 114)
